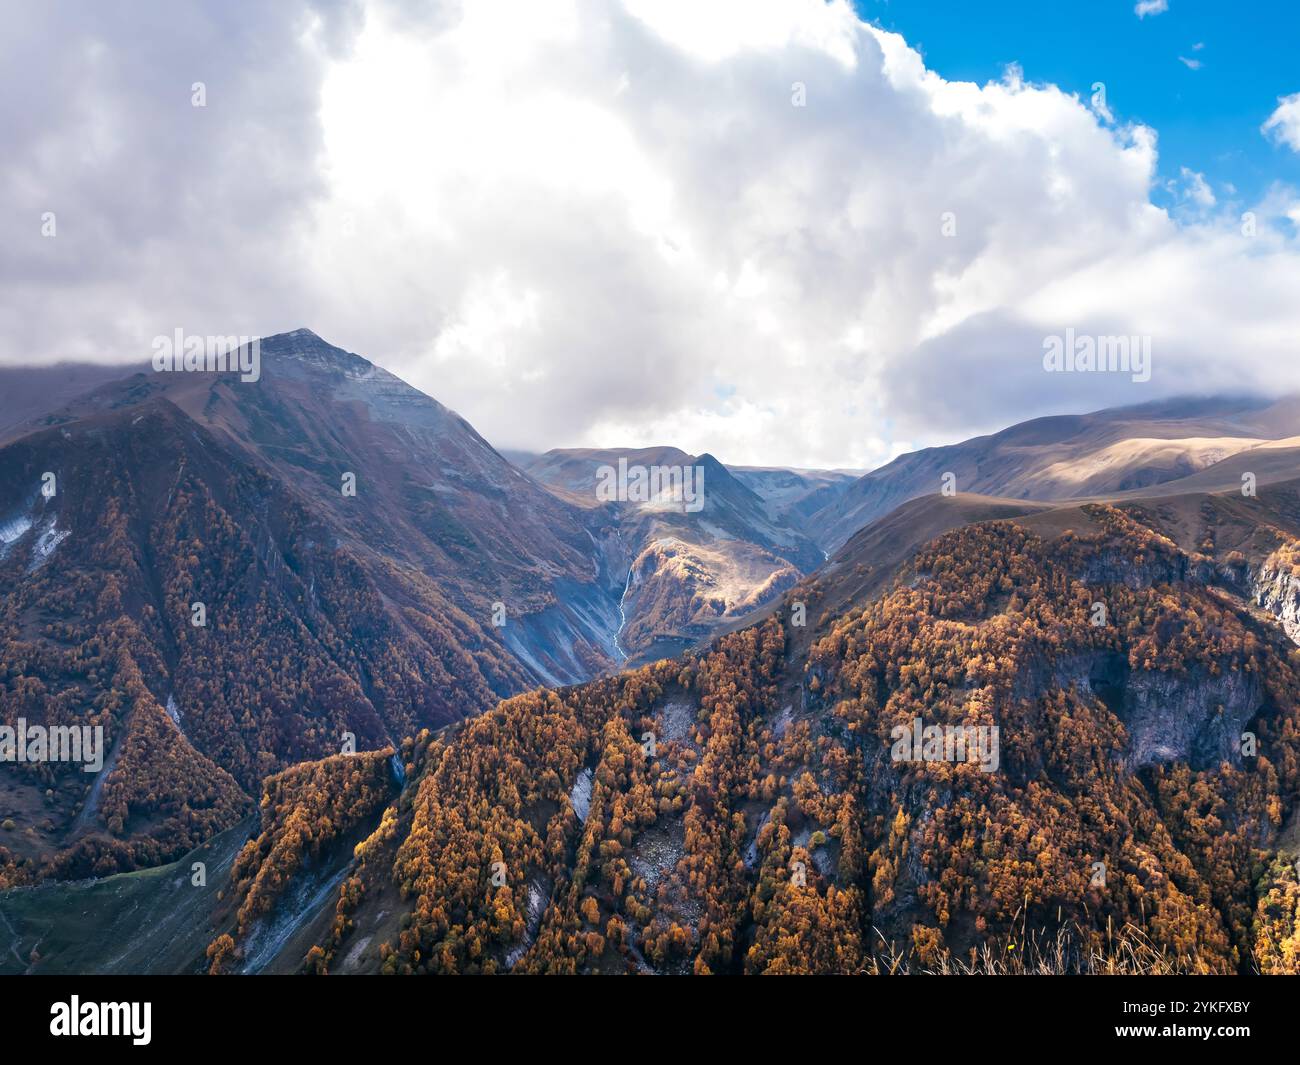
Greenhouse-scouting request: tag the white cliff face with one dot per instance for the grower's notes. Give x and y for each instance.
(539, 893)
(174, 712)
(1276, 590)
(1119, 567)
(1194, 717)
(580, 796)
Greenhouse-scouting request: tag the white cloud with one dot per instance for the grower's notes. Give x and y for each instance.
(1190, 64)
(1196, 188)
(1150, 7)
(1283, 125)
(165, 214)
(580, 222)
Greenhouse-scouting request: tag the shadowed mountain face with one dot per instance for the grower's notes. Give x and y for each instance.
(27, 392)
(1098, 455)
(401, 480)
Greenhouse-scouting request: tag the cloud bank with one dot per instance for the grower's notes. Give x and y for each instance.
(762, 229)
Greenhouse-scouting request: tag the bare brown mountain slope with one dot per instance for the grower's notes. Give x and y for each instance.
(1098, 455)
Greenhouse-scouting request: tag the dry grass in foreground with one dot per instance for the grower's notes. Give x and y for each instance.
(1067, 952)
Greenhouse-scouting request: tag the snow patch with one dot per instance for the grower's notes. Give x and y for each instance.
(49, 539)
(11, 531)
(580, 796)
(174, 712)
(538, 895)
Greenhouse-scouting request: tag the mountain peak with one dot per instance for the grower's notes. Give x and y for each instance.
(306, 345)
(303, 352)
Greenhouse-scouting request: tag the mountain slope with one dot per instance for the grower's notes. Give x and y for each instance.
(769, 829)
(1099, 455)
(429, 491)
(28, 392)
(304, 639)
(741, 810)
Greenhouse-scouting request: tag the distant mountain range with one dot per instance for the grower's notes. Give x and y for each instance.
(1197, 443)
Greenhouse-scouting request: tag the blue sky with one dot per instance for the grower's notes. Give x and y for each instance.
(1208, 119)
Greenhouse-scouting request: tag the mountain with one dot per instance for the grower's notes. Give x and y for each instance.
(730, 509)
(158, 523)
(198, 584)
(996, 730)
(364, 564)
(794, 495)
(747, 808)
(689, 569)
(1098, 455)
(27, 392)
(430, 493)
